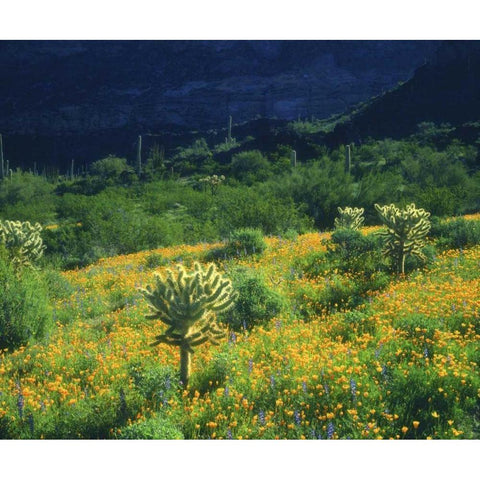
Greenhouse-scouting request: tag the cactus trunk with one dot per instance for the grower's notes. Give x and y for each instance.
(185, 365)
(348, 159)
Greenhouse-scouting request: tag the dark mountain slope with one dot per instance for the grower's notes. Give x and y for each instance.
(444, 90)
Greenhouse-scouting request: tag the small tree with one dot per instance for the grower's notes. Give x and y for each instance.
(351, 218)
(188, 304)
(23, 242)
(406, 231)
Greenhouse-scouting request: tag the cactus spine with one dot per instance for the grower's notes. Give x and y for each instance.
(188, 303)
(23, 242)
(406, 231)
(350, 218)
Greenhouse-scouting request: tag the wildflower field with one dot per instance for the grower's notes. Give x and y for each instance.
(401, 362)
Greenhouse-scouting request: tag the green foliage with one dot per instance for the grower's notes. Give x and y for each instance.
(23, 242)
(110, 169)
(406, 231)
(157, 428)
(214, 373)
(245, 241)
(416, 393)
(258, 208)
(351, 218)
(27, 197)
(319, 187)
(155, 260)
(340, 293)
(350, 250)
(250, 167)
(157, 384)
(187, 160)
(256, 304)
(188, 304)
(458, 233)
(25, 313)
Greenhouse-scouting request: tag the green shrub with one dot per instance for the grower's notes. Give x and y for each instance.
(250, 166)
(352, 324)
(340, 293)
(110, 169)
(213, 374)
(158, 428)
(256, 304)
(24, 310)
(458, 233)
(350, 250)
(155, 260)
(245, 241)
(156, 383)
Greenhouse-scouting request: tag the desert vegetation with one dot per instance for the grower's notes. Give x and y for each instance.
(234, 293)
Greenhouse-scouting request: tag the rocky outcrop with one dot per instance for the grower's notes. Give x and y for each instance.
(77, 87)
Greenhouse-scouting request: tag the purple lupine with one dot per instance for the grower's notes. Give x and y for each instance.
(353, 388)
(226, 392)
(250, 366)
(272, 381)
(278, 324)
(330, 430)
(261, 417)
(325, 386)
(233, 338)
(304, 386)
(229, 435)
(297, 418)
(20, 404)
(425, 352)
(31, 424)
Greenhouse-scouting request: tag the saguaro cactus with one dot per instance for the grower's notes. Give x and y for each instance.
(139, 155)
(350, 218)
(188, 303)
(348, 159)
(406, 231)
(2, 164)
(23, 241)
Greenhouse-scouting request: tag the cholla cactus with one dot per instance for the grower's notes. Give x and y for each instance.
(23, 241)
(350, 218)
(214, 182)
(188, 304)
(406, 231)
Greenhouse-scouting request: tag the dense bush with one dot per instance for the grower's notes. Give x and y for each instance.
(245, 241)
(256, 304)
(458, 233)
(250, 167)
(350, 250)
(24, 309)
